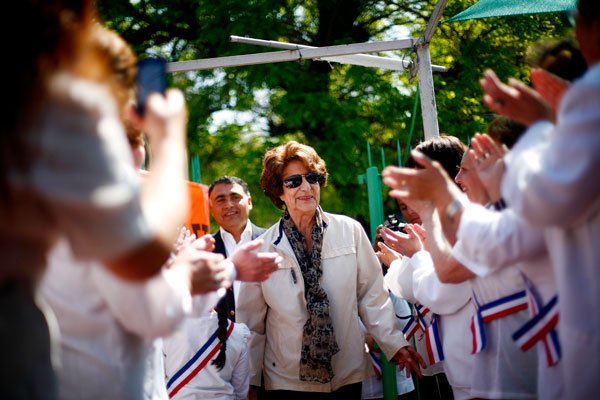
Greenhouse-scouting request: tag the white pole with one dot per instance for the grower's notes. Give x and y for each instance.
(427, 93)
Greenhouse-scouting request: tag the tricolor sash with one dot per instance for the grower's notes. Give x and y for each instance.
(541, 326)
(432, 339)
(196, 363)
(433, 342)
(491, 311)
(376, 361)
(416, 321)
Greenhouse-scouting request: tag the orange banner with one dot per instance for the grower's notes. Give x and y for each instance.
(198, 218)
(198, 221)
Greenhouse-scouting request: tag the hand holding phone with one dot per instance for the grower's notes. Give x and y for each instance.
(151, 78)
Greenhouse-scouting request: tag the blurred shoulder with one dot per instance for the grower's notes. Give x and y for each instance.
(73, 92)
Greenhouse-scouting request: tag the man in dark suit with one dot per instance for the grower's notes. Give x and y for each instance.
(230, 204)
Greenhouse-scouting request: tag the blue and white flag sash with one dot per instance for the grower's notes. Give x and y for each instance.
(433, 342)
(491, 311)
(541, 327)
(196, 363)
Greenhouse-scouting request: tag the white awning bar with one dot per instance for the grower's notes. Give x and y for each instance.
(290, 55)
(363, 60)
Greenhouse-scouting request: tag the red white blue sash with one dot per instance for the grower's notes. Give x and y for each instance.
(432, 339)
(433, 342)
(416, 322)
(541, 327)
(196, 363)
(491, 311)
(376, 361)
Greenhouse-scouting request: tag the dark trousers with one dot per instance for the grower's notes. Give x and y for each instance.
(348, 392)
(434, 387)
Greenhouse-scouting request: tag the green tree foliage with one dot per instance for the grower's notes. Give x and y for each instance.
(335, 108)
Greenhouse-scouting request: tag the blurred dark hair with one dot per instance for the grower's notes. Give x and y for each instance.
(221, 309)
(445, 149)
(558, 56)
(589, 9)
(506, 131)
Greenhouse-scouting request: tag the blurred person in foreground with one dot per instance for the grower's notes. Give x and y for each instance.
(304, 319)
(552, 182)
(108, 325)
(65, 171)
(412, 276)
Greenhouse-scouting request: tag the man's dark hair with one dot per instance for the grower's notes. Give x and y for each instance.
(561, 57)
(229, 180)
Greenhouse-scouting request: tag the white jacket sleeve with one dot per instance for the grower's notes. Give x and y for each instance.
(502, 239)
(375, 307)
(555, 183)
(441, 298)
(398, 279)
(150, 309)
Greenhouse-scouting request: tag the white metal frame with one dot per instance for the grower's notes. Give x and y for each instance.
(347, 54)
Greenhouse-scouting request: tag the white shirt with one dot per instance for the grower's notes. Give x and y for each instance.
(555, 184)
(107, 327)
(502, 370)
(231, 383)
(398, 280)
(504, 240)
(451, 303)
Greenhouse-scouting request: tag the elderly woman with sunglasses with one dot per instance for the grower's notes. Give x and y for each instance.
(304, 319)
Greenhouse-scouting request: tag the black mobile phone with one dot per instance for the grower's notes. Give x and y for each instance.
(151, 78)
(392, 222)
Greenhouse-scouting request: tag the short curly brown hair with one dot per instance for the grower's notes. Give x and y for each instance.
(275, 161)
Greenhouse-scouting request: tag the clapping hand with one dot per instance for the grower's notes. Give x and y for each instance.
(488, 163)
(253, 266)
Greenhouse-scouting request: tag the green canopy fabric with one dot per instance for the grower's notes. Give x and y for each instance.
(499, 8)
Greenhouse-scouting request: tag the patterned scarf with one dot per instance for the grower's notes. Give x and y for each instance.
(318, 339)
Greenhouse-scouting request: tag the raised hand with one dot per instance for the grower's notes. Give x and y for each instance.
(205, 270)
(516, 100)
(403, 243)
(386, 255)
(184, 238)
(204, 243)
(489, 164)
(252, 266)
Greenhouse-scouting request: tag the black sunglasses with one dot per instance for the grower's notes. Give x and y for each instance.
(294, 181)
